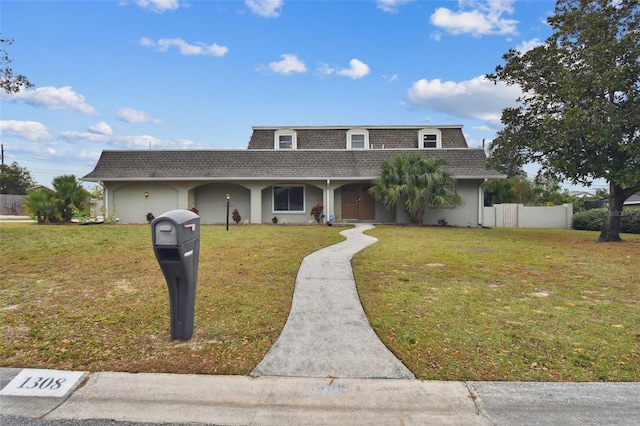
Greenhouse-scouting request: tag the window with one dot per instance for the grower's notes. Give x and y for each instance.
(430, 138)
(357, 139)
(288, 198)
(285, 139)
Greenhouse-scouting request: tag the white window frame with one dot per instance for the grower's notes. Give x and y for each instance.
(285, 132)
(304, 199)
(352, 132)
(424, 132)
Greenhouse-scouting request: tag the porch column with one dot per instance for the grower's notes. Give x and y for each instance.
(256, 204)
(329, 200)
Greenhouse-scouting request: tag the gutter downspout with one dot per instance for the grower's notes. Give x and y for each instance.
(481, 202)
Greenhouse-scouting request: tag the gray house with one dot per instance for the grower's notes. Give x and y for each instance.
(285, 171)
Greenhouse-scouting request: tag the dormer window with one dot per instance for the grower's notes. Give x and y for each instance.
(430, 139)
(358, 139)
(285, 139)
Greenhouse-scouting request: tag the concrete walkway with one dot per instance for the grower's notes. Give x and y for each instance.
(327, 333)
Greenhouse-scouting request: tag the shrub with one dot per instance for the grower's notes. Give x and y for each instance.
(235, 215)
(150, 217)
(593, 220)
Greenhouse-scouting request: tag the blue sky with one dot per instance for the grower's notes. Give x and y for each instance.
(173, 74)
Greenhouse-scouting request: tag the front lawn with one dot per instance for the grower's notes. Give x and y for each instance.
(505, 304)
(453, 304)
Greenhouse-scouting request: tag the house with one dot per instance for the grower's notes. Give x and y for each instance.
(285, 171)
(633, 200)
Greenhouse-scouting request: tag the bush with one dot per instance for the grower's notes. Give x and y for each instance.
(235, 215)
(592, 220)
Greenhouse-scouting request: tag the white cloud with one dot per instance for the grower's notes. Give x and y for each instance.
(84, 137)
(265, 8)
(53, 98)
(30, 130)
(325, 70)
(131, 115)
(478, 98)
(528, 45)
(202, 49)
(390, 78)
(477, 18)
(158, 6)
(101, 128)
(390, 6)
(129, 141)
(357, 69)
(289, 64)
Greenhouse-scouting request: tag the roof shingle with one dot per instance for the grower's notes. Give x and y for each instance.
(256, 164)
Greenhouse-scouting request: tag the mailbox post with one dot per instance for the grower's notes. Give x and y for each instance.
(176, 243)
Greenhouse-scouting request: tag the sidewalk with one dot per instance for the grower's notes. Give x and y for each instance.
(327, 333)
(327, 368)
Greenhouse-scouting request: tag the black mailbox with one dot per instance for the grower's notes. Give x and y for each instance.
(176, 243)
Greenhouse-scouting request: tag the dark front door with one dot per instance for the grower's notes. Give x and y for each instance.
(357, 203)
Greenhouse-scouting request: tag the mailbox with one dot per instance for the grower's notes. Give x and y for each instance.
(176, 243)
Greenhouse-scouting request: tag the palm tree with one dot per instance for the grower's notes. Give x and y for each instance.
(39, 205)
(415, 183)
(70, 195)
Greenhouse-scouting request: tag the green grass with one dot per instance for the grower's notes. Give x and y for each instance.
(94, 298)
(453, 304)
(505, 304)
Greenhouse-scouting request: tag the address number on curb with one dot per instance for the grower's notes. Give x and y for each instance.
(43, 383)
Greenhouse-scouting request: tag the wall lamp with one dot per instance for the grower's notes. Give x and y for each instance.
(146, 194)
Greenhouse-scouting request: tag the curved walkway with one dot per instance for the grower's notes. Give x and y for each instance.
(327, 333)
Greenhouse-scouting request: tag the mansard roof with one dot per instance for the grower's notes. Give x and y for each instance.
(334, 137)
(271, 164)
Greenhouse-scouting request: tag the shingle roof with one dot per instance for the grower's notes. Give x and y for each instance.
(271, 164)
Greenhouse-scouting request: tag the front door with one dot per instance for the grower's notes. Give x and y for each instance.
(357, 203)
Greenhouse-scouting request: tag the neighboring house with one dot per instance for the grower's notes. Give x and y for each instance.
(285, 171)
(634, 200)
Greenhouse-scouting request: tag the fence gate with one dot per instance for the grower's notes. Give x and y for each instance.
(510, 215)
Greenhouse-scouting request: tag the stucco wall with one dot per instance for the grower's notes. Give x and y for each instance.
(133, 206)
(465, 215)
(312, 196)
(211, 202)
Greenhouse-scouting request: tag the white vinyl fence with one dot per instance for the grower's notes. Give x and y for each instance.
(521, 216)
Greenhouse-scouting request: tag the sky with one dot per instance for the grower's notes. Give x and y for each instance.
(198, 74)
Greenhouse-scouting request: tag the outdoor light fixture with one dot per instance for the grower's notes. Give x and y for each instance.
(146, 194)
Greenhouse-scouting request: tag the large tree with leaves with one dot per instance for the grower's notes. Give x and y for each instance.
(579, 115)
(15, 179)
(10, 82)
(415, 183)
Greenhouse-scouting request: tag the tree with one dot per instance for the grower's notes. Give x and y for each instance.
(415, 183)
(10, 82)
(39, 205)
(14, 179)
(70, 196)
(47, 206)
(578, 115)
